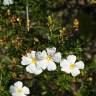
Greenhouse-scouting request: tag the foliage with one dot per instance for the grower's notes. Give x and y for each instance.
(51, 23)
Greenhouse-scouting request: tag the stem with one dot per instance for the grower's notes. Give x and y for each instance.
(27, 15)
(0, 79)
(74, 86)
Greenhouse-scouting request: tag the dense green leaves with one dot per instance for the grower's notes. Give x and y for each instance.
(16, 40)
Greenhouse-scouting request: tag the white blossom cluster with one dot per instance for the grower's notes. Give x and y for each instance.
(47, 59)
(39, 61)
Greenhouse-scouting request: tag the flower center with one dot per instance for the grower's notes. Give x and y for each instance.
(34, 60)
(19, 90)
(49, 57)
(72, 66)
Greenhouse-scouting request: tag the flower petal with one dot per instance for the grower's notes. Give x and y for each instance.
(44, 54)
(18, 94)
(12, 89)
(51, 51)
(65, 66)
(80, 64)
(30, 68)
(71, 58)
(33, 54)
(18, 84)
(75, 72)
(42, 64)
(57, 57)
(26, 90)
(33, 69)
(37, 71)
(64, 63)
(25, 60)
(41, 55)
(51, 66)
(67, 70)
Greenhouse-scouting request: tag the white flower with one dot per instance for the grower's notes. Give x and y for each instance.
(18, 90)
(7, 2)
(48, 58)
(70, 65)
(32, 61)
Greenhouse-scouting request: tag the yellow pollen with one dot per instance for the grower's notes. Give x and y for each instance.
(34, 61)
(72, 66)
(19, 90)
(49, 57)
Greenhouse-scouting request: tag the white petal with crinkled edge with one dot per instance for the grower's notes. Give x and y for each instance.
(71, 58)
(57, 57)
(51, 66)
(75, 72)
(33, 69)
(41, 55)
(65, 66)
(44, 54)
(12, 89)
(80, 64)
(26, 90)
(18, 84)
(67, 70)
(25, 60)
(51, 51)
(38, 71)
(42, 64)
(33, 54)
(18, 94)
(64, 63)
(30, 68)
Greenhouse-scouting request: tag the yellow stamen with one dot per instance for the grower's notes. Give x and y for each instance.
(72, 66)
(19, 90)
(49, 57)
(34, 61)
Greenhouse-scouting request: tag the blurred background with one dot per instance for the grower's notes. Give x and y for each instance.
(68, 25)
